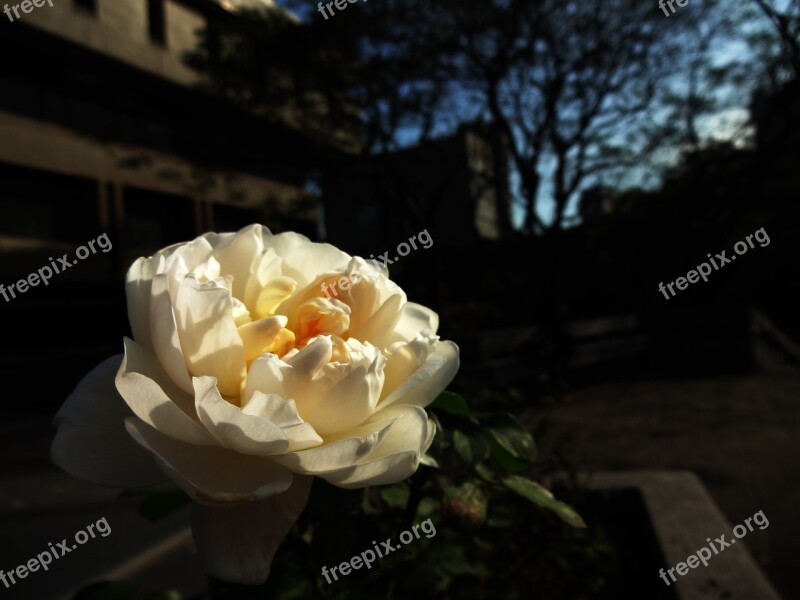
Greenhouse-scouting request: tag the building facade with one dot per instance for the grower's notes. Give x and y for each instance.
(102, 129)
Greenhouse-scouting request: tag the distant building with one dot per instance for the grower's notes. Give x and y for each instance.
(101, 130)
(456, 187)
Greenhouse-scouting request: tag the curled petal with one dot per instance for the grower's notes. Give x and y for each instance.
(211, 474)
(306, 362)
(378, 327)
(270, 375)
(416, 319)
(155, 399)
(350, 401)
(397, 456)
(337, 453)
(268, 268)
(138, 291)
(284, 414)
(301, 257)
(429, 380)
(272, 295)
(403, 359)
(260, 336)
(164, 334)
(237, 256)
(208, 335)
(233, 428)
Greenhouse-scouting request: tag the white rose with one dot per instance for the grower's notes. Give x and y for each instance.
(244, 380)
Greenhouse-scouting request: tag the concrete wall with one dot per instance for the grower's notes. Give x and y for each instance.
(48, 147)
(181, 24)
(120, 29)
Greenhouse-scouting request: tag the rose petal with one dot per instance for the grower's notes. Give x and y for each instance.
(303, 259)
(211, 473)
(310, 359)
(237, 256)
(411, 430)
(154, 399)
(164, 334)
(236, 430)
(349, 402)
(268, 268)
(337, 453)
(284, 414)
(403, 359)
(138, 291)
(415, 319)
(210, 342)
(259, 335)
(378, 327)
(382, 471)
(91, 441)
(186, 258)
(429, 380)
(238, 544)
(270, 375)
(397, 455)
(272, 295)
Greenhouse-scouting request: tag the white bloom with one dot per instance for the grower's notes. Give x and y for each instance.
(244, 379)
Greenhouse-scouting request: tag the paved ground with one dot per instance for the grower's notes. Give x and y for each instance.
(740, 434)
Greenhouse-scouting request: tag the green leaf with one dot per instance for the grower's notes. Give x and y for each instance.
(472, 449)
(512, 436)
(426, 507)
(485, 472)
(395, 495)
(452, 403)
(544, 498)
(501, 518)
(505, 459)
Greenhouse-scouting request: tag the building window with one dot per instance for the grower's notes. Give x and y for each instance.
(155, 17)
(89, 6)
